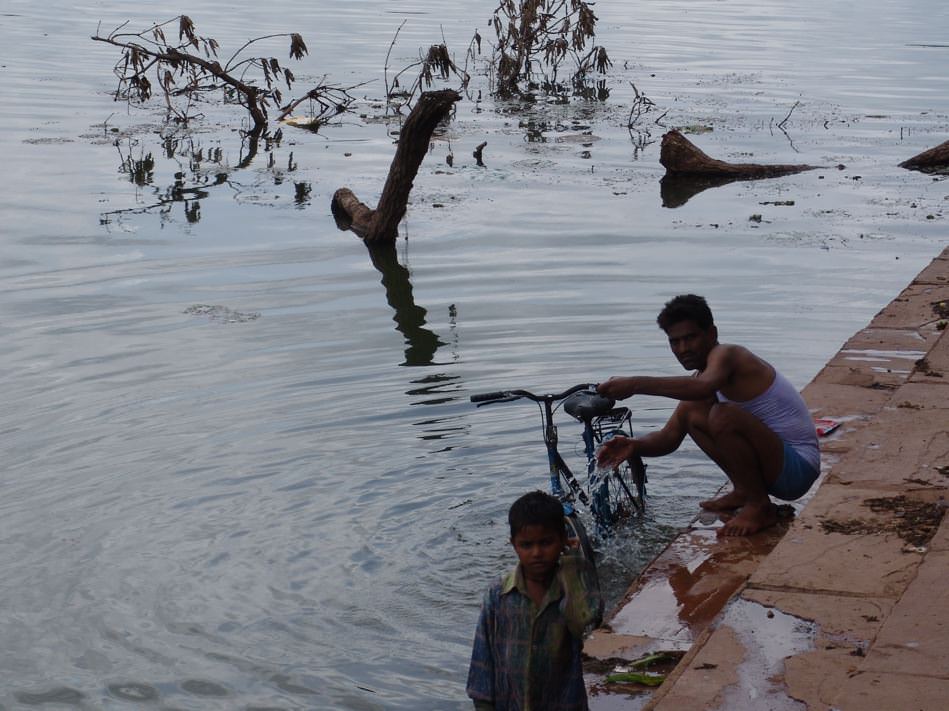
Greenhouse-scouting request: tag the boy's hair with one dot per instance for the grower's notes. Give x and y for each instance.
(686, 307)
(537, 508)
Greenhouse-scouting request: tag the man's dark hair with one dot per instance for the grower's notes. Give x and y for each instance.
(686, 307)
(537, 508)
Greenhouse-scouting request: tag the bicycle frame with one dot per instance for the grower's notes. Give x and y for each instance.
(600, 421)
(558, 467)
(596, 431)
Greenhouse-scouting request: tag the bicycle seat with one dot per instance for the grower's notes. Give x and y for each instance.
(586, 404)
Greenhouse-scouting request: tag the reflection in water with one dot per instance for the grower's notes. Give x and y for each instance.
(677, 190)
(641, 140)
(196, 170)
(433, 385)
(595, 91)
(535, 128)
(539, 120)
(438, 389)
(421, 343)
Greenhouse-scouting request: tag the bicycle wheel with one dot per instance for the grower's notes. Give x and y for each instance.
(575, 529)
(627, 488)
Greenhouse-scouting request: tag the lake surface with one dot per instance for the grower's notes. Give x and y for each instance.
(240, 467)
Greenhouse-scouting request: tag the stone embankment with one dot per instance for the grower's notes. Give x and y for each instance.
(845, 606)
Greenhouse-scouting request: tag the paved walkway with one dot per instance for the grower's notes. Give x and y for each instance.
(845, 607)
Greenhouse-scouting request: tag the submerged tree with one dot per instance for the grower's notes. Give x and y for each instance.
(935, 160)
(380, 225)
(435, 64)
(188, 68)
(535, 37)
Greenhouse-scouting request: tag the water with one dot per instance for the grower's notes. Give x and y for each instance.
(240, 465)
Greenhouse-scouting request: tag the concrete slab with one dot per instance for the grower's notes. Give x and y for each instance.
(873, 691)
(861, 563)
(703, 683)
(937, 272)
(861, 377)
(843, 620)
(913, 308)
(741, 665)
(828, 397)
(890, 354)
(814, 678)
(934, 368)
(899, 340)
(845, 628)
(914, 639)
(905, 447)
(940, 541)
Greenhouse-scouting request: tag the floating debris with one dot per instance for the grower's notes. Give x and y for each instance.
(632, 677)
(635, 672)
(221, 314)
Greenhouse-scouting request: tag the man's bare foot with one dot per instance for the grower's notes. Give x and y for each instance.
(725, 502)
(751, 519)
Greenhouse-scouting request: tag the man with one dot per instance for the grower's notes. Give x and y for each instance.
(744, 415)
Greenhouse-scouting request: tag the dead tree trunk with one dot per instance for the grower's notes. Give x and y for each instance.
(680, 156)
(382, 224)
(934, 160)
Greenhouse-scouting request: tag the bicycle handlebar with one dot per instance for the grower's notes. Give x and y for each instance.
(486, 397)
(508, 395)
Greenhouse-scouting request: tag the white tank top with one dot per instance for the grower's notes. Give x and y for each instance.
(784, 411)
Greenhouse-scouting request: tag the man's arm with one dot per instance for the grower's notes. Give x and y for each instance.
(655, 444)
(679, 387)
(718, 371)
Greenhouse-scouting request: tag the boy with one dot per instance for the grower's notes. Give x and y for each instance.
(743, 413)
(526, 654)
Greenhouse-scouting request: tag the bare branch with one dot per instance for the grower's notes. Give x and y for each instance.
(190, 68)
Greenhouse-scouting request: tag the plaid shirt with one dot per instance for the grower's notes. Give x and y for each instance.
(527, 658)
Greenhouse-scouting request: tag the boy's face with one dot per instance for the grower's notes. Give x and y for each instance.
(538, 549)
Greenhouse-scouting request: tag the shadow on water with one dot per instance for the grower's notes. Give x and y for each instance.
(421, 343)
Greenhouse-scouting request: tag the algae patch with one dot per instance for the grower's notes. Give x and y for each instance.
(913, 521)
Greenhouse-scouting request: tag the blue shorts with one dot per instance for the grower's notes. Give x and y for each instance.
(796, 477)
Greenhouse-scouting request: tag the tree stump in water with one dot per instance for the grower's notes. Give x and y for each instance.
(934, 160)
(680, 156)
(381, 224)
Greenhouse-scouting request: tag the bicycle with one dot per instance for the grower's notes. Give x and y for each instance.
(610, 495)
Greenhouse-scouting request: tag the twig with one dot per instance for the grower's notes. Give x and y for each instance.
(781, 125)
(385, 69)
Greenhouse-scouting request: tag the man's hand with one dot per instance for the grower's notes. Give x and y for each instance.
(616, 388)
(615, 451)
